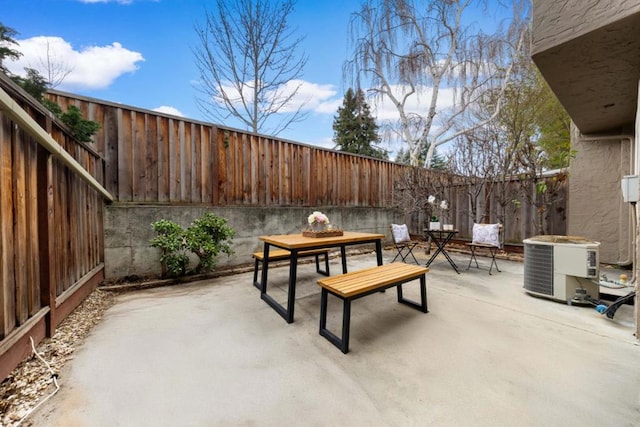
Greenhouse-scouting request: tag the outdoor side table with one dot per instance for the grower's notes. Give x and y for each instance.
(441, 238)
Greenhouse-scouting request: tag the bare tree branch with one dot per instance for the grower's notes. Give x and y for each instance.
(248, 65)
(421, 49)
(56, 69)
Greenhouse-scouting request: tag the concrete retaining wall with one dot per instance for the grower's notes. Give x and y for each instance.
(128, 230)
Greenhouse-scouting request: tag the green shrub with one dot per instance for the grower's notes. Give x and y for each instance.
(206, 237)
(171, 240)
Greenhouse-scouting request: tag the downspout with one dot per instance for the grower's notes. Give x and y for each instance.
(18, 115)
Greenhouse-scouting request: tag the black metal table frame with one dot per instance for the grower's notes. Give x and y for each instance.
(287, 313)
(440, 244)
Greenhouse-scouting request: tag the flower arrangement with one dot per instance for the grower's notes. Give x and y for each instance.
(319, 226)
(442, 207)
(318, 218)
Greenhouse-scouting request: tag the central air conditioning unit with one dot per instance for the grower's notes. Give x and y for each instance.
(559, 267)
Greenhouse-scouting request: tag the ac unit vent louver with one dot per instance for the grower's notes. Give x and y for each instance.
(538, 268)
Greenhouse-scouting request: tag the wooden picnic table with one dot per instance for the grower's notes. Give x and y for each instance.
(296, 243)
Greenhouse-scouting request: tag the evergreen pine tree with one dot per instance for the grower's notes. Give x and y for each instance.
(437, 161)
(355, 130)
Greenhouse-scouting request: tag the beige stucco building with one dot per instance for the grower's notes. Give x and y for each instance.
(589, 53)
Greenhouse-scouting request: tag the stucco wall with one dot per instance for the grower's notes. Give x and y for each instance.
(596, 209)
(556, 21)
(128, 230)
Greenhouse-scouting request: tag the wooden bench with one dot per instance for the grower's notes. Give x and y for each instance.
(357, 284)
(283, 254)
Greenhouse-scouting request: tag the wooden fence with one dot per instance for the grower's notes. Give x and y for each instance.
(155, 158)
(151, 157)
(51, 228)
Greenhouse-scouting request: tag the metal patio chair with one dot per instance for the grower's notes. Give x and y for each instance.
(402, 242)
(486, 236)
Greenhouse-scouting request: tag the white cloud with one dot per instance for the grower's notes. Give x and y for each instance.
(92, 67)
(317, 96)
(313, 97)
(169, 110)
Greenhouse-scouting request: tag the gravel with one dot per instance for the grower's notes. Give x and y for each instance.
(32, 381)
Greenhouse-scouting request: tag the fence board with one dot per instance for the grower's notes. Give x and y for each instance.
(125, 160)
(20, 232)
(7, 296)
(151, 158)
(33, 248)
(162, 133)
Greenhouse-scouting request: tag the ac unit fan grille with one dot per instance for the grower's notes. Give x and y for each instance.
(538, 268)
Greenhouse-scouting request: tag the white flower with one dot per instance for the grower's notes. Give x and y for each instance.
(431, 200)
(444, 205)
(317, 218)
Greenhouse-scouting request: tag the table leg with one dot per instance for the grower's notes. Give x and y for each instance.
(293, 274)
(343, 255)
(265, 267)
(286, 313)
(379, 252)
(451, 261)
(438, 250)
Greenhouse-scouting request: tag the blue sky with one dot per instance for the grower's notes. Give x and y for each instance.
(139, 52)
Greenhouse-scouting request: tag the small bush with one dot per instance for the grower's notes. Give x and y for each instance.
(171, 241)
(206, 237)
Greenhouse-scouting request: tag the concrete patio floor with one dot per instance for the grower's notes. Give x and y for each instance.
(212, 353)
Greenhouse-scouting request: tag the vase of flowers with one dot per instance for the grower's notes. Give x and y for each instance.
(437, 208)
(318, 221)
(318, 225)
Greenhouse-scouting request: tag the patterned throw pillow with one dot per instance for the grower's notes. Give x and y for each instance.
(487, 233)
(400, 233)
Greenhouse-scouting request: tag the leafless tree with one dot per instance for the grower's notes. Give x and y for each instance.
(411, 51)
(55, 69)
(248, 64)
(472, 159)
(412, 190)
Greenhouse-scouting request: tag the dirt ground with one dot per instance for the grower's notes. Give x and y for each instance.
(32, 381)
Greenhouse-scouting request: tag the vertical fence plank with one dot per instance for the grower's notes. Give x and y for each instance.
(7, 295)
(138, 150)
(19, 228)
(125, 159)
(162, 125)
(215, 164)
(223, 165)
(33, 234)
(111, 137)
(151, 177)
(174, 161)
